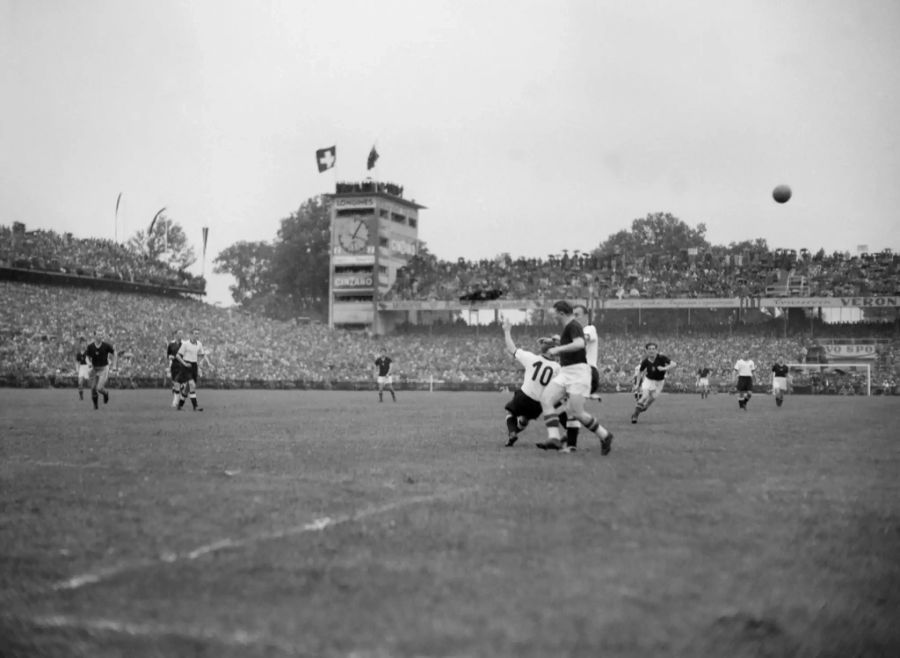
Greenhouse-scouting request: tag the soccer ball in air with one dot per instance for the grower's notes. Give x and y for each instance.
(781, 194)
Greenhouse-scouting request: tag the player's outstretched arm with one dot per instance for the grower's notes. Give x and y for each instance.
(511, 346)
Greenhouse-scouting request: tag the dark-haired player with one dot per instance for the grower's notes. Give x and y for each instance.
(743, 370)
(188, 356)
(98, 355)
(81, 367)
(653, 371)
(703, 382)
(573, 380)
(383, 376)
(525, 405)
(174, 366)
(780, 381)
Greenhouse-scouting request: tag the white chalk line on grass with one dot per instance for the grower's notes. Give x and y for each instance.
(239, 638)
(230, 473)
(57, 464)
(317, 525)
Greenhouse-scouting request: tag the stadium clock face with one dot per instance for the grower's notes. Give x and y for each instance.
(354, 237)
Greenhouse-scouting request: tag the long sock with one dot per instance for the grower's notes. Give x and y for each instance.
(193, 397)
(393, 395)
(593, 425)
(572, 428)
(512, 425)
(551, 420)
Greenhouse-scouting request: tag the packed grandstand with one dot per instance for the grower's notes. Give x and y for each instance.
(51, 299)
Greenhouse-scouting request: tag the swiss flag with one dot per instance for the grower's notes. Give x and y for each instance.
(325, 158)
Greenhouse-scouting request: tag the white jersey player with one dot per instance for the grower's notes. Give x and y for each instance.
(526, 401)
(189, 357)
(591, 347)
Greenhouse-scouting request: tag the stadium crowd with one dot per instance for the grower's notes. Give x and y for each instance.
(716, 272)
(40, 327)
(49, 251)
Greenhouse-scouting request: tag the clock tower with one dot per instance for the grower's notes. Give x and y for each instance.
(374, 232)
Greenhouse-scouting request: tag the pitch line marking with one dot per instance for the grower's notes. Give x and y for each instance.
(317, 525)
(57, 464)
(240, 637)
(20, 461)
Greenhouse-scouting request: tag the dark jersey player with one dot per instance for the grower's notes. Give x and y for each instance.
(573, 380)
(703, 382)
(174, 366)
(82, 367)
(653, 371)
(780, 381)
(102, 357)
(383, 375)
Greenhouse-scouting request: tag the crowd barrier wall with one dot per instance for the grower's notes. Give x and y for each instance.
(119, 382)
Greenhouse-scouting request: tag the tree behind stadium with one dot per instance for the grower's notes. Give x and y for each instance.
(288, 277)
(657, 233)
(166, 243)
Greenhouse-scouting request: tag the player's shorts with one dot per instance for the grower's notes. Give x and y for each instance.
(84, 371)
(703, 382)
(522, 405)
(187, 374)
(595, 380)
(779, 384)
(653, 385)
(575, 379)
(385, 380)
(174, 370)
(99, 376)
(745, 384)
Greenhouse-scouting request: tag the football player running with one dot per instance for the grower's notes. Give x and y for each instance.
(652, 371)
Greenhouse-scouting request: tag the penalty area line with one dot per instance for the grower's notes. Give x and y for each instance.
(316, 525)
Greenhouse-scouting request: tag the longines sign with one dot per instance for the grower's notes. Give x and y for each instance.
(614, 304)
(354, 203)
(891, 301)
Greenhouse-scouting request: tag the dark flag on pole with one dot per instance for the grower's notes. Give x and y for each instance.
(373, 158)
(118, 201)
(325, 158)
(203, 260)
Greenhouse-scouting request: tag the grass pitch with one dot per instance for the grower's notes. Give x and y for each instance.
(326, 524)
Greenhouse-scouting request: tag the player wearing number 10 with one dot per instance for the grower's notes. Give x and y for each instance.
(525, 405)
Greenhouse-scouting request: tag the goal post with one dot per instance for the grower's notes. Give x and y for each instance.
(831, 378)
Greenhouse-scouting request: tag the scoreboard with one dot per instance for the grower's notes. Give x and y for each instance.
(374, 233)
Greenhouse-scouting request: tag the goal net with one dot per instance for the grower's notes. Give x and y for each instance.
(831, 378)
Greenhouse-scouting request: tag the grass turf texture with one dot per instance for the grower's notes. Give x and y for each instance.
(327, 524)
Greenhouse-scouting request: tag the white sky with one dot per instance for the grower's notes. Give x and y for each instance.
(524, 126)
